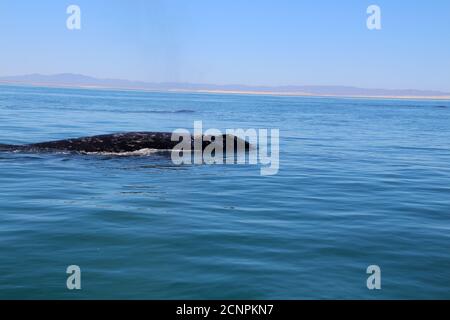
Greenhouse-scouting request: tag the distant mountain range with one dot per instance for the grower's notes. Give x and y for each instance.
(77, 80)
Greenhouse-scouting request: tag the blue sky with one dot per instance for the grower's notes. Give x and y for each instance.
(259, 42)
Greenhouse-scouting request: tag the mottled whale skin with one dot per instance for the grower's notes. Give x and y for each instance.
(117, 143)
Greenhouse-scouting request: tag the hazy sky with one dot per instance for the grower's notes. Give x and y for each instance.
(276, 42)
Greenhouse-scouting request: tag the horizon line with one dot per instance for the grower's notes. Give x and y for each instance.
(75, 80)
(220, 84)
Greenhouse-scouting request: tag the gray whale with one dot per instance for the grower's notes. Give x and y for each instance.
(119, 143)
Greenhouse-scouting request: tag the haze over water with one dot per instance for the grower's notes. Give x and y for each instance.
(361, 182)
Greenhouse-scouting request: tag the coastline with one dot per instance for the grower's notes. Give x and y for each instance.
(302, 94)
(224, 92)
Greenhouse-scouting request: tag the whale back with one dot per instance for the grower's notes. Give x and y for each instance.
(113, 143)
(125, 143)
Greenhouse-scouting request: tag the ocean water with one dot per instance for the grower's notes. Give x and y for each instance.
(361, 182)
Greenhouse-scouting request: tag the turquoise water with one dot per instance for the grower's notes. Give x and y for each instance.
(361, 182)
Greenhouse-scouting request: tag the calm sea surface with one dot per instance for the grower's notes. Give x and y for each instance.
(361, 182)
